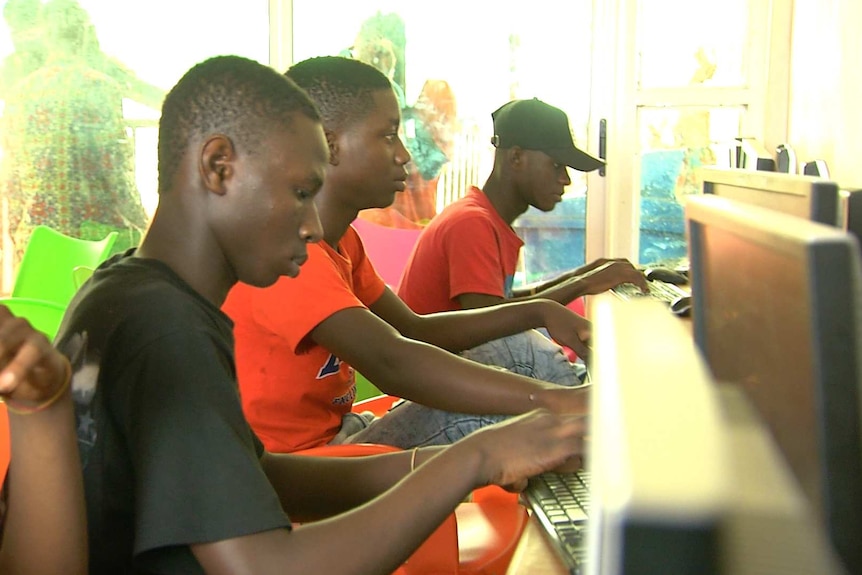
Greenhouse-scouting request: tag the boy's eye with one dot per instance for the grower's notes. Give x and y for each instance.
(303, 194)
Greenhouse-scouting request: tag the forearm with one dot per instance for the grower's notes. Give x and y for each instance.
(312, 487)
(428, 375)
(465, 329)
(563, 290)
(45, 525)
(397, 522)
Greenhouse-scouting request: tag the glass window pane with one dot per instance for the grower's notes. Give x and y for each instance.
(674, 143)
(514, 53)
(691, 42)
(81, 88)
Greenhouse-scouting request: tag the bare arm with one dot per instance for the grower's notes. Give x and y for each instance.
(45, 531)
(431, 376)
(594, 278)
(398, 521)
(460, 330)
(313, 488)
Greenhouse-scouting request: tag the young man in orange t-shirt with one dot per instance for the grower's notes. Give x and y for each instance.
(295, 357)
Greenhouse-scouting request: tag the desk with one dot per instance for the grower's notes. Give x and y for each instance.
(534, 555)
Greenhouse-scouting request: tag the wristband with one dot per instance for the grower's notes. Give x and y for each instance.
(17, 409)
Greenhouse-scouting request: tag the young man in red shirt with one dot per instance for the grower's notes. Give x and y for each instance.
(467, 255)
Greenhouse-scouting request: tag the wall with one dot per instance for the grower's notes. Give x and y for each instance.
(825, 112)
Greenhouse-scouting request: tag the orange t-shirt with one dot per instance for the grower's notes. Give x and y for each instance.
(294, 391)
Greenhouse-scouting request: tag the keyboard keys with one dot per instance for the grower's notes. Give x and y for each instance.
(661, 291)
(560, 502)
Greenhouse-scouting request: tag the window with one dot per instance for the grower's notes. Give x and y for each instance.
(694, 80)
(676, 80)
(463, 60)
(82, 86)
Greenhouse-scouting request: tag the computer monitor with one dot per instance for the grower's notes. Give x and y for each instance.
(816, 168)
(752, 155)
(850, 212)
(776, 311)
(686, 477)
(807, 197)
(658, 458)
(785, 159)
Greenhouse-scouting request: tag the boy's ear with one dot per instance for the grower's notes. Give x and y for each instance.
(332, 142)
(216, 162)
(516, 156)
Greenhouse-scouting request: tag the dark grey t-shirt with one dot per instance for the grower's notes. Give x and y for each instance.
(169, 459)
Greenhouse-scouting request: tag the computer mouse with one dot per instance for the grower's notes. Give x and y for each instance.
(665, 275)
(681, 306)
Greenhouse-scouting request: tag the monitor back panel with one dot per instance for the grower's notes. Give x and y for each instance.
(658, 456)
(806, 197)
(776, 311)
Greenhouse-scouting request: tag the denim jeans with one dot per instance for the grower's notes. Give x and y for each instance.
(410, 425)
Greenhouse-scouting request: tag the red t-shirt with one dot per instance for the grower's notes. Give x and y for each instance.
(466, 248)
(294, 391)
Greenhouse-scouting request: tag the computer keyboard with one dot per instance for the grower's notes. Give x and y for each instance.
(560, 502)
(659, 290)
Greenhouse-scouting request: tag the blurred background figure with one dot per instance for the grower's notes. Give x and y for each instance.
(22, 18)
(380, 53)
(68, 161)
(381, 32)
(427, 125)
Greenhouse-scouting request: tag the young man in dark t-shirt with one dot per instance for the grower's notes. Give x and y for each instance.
(175, 480)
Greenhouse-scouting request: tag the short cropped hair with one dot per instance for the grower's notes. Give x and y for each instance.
(342, 88)
(230, 95)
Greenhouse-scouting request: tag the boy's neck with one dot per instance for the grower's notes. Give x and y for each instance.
(505, 200)
(334, 217)
(193, 261)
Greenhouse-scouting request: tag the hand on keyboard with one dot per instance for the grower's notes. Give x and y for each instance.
(516, 449)
(608, 274)
(662, 291)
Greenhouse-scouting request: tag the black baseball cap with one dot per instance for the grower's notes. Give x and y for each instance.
(535, 125)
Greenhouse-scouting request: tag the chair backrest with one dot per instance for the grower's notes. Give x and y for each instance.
(387, 248)
(47, 267)
(43, 315)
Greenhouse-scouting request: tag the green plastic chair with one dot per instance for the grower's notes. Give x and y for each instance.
(47, 270)
(43, 315)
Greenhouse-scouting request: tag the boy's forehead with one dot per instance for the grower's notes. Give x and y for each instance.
(385, 106)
